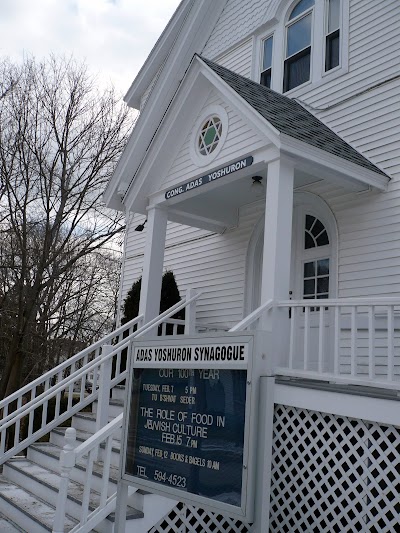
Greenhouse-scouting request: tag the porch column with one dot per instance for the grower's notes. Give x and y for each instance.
(275, 282)
(156, 229)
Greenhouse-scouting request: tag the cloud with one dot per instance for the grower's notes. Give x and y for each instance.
(113, 36)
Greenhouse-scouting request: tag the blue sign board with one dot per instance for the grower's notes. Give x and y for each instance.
(186, 430)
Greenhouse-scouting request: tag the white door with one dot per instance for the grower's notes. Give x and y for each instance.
(311, 278)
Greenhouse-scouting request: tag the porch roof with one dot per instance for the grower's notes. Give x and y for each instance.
(291, 118)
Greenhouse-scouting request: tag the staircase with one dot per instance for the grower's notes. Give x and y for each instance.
(69, 483)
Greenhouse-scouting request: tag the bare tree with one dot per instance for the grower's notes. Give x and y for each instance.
(60, 139)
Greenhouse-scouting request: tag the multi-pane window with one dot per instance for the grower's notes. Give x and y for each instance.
(210, 135)
(316, 279)
(310, 29)
(297, 65)
(315, 233)
(316, 268)
(332, 52)
(266, 72)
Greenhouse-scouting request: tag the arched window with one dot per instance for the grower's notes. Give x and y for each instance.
(298, 45)
(316, 262)
(308, 44)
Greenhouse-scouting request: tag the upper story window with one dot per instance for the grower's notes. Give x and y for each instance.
(332, 45)
(306, 45)
(266, 72)
(298, 45)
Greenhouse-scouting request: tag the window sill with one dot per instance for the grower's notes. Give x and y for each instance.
(309, 86)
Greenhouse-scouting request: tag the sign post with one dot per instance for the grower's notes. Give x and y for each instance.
(189, 431)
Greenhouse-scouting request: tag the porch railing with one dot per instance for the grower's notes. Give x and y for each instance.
(349, 339)
(30, 407)
(345, 340)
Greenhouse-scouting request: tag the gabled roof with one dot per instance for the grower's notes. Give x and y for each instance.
(290, 118)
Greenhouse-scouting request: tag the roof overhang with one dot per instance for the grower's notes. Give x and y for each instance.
(186, 35)
(311, 163)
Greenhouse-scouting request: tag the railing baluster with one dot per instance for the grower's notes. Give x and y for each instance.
(371, 342)
(390, 340)
(58, 397)
(71, 387)
(3, 432)
(18, 423)
(306, 336)
(45, 405)
(106, 470)
(175, 329)
(293, 323)
(321, 339)
(32, 413)
(336, 333)
(163, 329)
(88, 484)
(353, 341)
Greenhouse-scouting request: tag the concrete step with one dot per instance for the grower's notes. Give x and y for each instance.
(27, 510)
(6, 526)
(118, 392)
(57, 437)
(87, 422)
(116, 407)
(43, 481)
(47, 455)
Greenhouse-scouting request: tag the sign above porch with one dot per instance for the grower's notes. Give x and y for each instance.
(209, 178)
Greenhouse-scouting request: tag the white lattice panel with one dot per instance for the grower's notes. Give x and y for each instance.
(329, 474)
(187, 519)
(333, 474)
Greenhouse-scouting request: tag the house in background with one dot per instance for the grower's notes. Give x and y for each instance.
(265, 162)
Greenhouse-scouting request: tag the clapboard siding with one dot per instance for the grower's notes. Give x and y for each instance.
(214, 264)
(239, 59)
(362, 106)
(237, 21)
(240, 139)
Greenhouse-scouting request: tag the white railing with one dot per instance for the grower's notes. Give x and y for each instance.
(42, 399)
(22, 410)
(102, 440)
(351, 340)
(95, 506)
(250, 319)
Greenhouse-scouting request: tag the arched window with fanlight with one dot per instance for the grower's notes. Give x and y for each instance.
(297, 67)
(316, 262)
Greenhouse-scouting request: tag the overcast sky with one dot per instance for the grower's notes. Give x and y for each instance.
(114, 36)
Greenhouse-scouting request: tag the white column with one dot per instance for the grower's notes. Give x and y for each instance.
(156, 229)
(275, 277)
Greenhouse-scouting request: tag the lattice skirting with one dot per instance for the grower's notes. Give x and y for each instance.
(332, 473)
(329, 474)
(187, 519)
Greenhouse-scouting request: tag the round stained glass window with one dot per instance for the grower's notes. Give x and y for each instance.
(210, 135)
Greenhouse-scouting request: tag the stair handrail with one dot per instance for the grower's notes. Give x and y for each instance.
(55, 390)
(253, 316)
(68, 362)
(70, 454)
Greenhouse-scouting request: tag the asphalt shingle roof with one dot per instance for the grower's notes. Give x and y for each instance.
(290, 118)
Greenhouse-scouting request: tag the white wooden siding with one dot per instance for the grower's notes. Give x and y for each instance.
(239, 59)
(240, 140)
(237, 21)
(368, 223)
(212, 263)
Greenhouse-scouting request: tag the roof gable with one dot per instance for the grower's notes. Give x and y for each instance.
(290, 118)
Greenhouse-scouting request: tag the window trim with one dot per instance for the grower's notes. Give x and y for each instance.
(318, 76)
